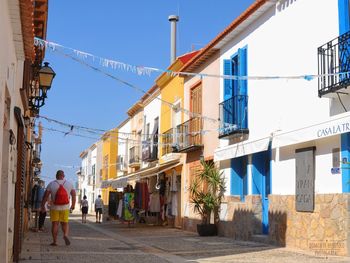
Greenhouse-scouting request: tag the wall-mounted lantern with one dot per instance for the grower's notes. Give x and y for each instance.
(39, 86)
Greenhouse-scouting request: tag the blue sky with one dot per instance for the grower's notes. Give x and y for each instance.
(134, 32)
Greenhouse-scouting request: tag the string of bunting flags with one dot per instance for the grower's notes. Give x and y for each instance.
(127, 141)
(79, 55)
(119, 135)
(171, 105)
(147, 71)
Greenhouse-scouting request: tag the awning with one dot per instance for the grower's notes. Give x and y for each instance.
(143, 173)
(120, 182)
(333, 126)
(162, 168)
(106, 183)
(241, 149)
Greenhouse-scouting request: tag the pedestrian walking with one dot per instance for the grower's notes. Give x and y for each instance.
(84, 205)
(60, 191)
(42, 216)
(98, 208)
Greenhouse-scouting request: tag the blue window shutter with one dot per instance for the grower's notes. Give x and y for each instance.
(227, 82)
(242, 102)
(343, 15)
(242, 70)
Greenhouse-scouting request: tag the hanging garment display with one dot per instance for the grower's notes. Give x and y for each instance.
(154, 203)
(128, 206)
(120, 208)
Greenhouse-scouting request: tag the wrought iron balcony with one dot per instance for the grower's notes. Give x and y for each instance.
(233, 116)
(149, 150)
(189, 136)
(169, 142)
(333, 59)
(134, 160)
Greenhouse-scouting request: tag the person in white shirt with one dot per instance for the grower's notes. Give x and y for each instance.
(98, 208)
(60, 191)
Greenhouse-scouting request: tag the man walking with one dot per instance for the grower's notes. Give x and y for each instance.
(60, 191)
(98, 208)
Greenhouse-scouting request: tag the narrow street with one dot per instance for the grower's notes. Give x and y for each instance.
(115, 242)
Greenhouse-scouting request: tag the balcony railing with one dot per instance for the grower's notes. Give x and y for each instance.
(333, 59)
(149, 150)
(134, 156)
(168, 141)
(233, 116)
(189, 136)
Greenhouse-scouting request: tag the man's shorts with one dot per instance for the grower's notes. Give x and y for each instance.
(59, 215)
(98, 210)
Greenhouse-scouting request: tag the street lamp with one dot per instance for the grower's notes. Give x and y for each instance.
(46, 75)
(39, 86)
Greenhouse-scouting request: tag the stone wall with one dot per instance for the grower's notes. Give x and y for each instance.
(324, 231)
(241, 220)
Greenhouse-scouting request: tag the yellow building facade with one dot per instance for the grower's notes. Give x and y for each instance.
(172, 91)
(109, 160)
(171, 116)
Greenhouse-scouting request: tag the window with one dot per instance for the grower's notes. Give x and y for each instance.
(147, 131)
(93, 172)
(196, 99)
(234, 108)
(176, 122)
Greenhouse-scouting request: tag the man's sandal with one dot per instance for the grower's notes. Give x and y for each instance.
(66, 240)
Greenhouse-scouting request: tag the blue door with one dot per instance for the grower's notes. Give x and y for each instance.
(261, 184)
(239, 185)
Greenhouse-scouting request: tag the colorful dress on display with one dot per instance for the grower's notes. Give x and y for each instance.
(128, 206)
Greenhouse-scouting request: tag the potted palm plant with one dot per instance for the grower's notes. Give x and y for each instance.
(206, 193)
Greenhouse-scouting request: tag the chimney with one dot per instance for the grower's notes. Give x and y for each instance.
(173, 19)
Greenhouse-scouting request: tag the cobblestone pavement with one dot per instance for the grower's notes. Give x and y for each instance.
(116, 242)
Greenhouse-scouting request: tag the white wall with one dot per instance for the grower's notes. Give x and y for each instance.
(93, 194)
(84, 171)
(151, 111)
(283, 167)
(284, 42)
(11, 76)
(123, 142)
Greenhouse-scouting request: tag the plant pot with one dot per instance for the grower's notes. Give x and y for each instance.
(207, 229)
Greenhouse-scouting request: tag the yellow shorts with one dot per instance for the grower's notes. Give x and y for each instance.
(59, 215)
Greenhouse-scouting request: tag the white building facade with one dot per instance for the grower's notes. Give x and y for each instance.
(19, 22)
(123, 147)
(88, 175)
(98, 168)
(284, 142)
(151, 121)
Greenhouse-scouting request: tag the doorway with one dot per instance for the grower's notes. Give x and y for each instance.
(261, 184)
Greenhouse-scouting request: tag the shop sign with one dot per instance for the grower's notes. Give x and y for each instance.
(333, 130)
(305, 179)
